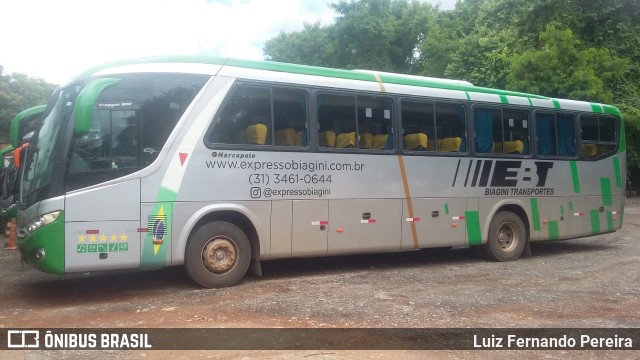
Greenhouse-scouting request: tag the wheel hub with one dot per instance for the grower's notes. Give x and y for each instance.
(219, 256)
(507, 237)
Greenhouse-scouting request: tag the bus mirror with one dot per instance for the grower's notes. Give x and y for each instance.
(83, 110)
(14, 130)
(6, 151)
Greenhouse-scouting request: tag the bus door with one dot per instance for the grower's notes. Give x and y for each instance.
(102, 222)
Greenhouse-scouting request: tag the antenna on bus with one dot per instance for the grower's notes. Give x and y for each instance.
(416, 77)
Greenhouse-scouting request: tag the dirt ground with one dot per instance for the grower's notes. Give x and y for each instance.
(590, 282)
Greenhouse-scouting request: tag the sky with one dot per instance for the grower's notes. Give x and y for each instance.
(57, 40)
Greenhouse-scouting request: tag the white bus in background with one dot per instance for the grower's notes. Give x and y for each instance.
(214, 163)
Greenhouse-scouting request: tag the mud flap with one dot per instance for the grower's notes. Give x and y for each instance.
(255, 267)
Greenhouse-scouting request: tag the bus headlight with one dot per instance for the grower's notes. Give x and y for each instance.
(40, 221)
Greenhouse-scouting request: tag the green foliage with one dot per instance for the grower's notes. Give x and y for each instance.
(559, 69)
(311, 46)
(368, 34)
(19, 92)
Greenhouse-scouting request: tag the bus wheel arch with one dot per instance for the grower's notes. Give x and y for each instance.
(507, 234)
(219, 249)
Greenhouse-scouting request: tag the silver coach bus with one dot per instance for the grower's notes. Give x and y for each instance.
(217, 163)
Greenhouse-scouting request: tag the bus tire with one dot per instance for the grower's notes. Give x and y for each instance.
(217, 255)
(507, 237)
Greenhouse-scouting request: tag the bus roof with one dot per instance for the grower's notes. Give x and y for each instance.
(503, 96)
(15, 123)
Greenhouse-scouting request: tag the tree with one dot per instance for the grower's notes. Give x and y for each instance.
(311, 46)
(368, 34)
(19, 92)
(560, 69)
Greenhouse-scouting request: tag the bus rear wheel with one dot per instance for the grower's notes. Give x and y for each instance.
(217, 255)
(507, 237)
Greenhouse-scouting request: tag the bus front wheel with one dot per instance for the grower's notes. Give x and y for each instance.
(217, 255)
(507, 237)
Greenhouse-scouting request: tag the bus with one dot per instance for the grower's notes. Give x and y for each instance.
(21, 130)
(218, 164)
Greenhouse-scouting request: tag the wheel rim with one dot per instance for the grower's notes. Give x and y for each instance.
(220, 255)
(508, 237)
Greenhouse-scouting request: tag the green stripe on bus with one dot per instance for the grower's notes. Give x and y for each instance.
(535, 213)
(623, 138)
(503, 99)
(609, 221)
(575, 177)
(571, 206)
(561, 210)
(468, 96)
(530, 102)
(595, 221)
(616, 170)
(474, 235)
(605, 189)
(163, 208)
(301, 69)
(554, 232)
(446, 209)
(556, 103)
(597, 108)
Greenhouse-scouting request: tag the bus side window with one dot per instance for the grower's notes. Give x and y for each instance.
(336, 121)
(245, 118)
(484, 123)
(555, 135)
(515, 132)
(450, 128)
(546, 135)
(502, 131)
(418, 130)
(598, 136)
(566, 135)
(290, 117)
(374, 120)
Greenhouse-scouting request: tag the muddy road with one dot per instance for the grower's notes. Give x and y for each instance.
(590, 282)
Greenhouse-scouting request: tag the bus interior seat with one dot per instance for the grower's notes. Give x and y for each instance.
(286, 137)
(256, 134)
(451, 144)
(382, 142)
(588, 149)
(301, 138)
(510, 147)
(346, 140)
(327, 138)
(603, 149)
(416, 142)
(366, 140)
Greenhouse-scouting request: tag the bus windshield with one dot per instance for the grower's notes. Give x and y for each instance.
(39, 168)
